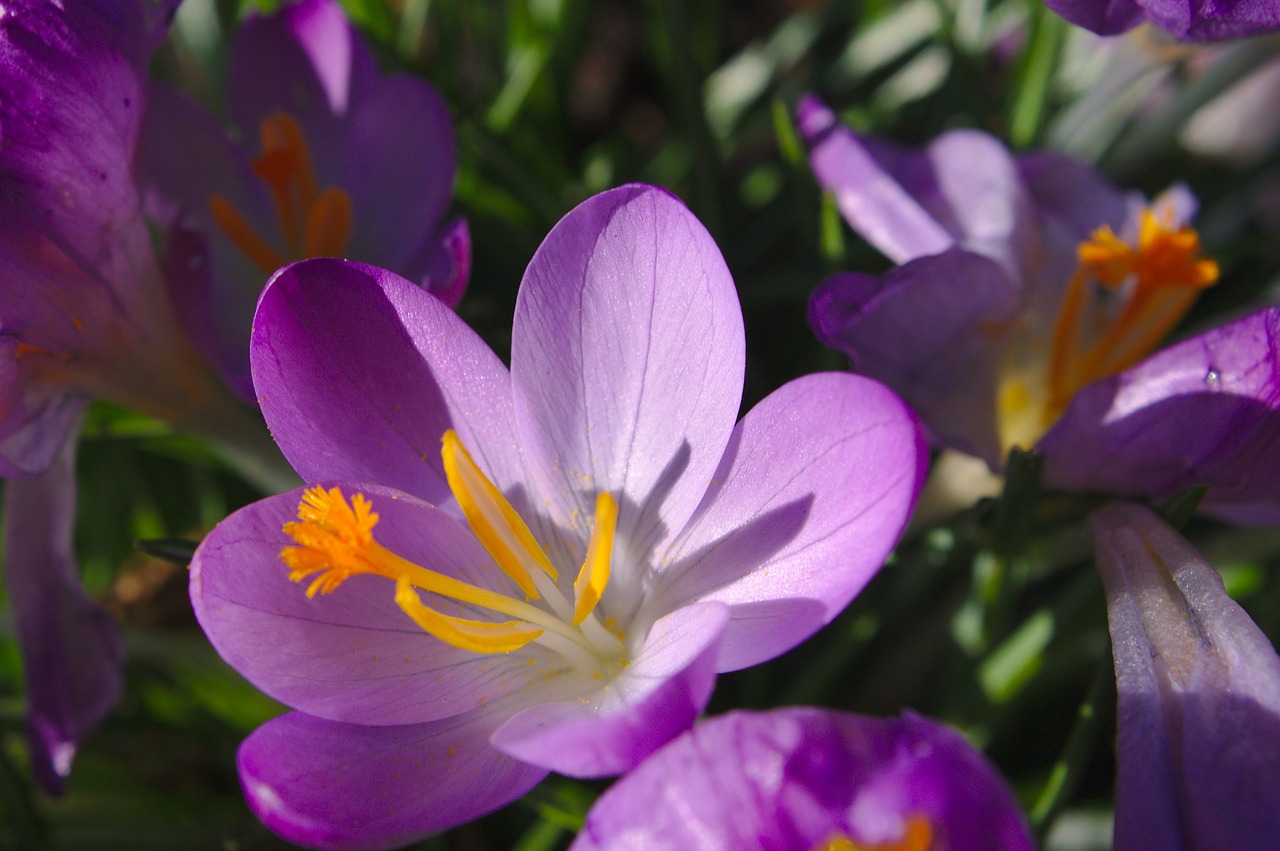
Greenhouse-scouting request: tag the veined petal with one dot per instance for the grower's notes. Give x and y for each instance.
(351, 655)
(1202, 412)
(627, 363)
(800, 778)
(613, 728)
(1198, 712)
(325, 784)
(327, 335)
(956, 310)
(72, 652)
(816, 486)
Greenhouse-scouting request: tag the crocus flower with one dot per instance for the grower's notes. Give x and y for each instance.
(83, 314)
(1190, 21)
(1031, 291)
(1198, 712)
(511, 572)
(805, 779)
(331, 159)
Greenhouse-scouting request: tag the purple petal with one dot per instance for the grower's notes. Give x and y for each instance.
(71, 650)
(954, 309)
(325, 784)
(1105, 17)
(351, 655)
(870, 197)
(359, 373)
(800, 778)
(655, 699)
(305, 60)
(627, 363)
(1198, 713)
(398, 195)
(448, 266)
(1202, 412)
(814, 490)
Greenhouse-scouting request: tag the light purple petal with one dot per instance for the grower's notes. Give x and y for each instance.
(359, 373)
(655, 699)
(398, 167)
(351, 655)
(814, 490)
(1198, 713)
(795, 779)
(71, 650)
(932, 329)
(870, 197)
(1202, 412)
(627, 363)
(345, 786)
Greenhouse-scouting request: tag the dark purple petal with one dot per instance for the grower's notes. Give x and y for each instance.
(1198, 713)
(814, 490)
(657, 697)
(351, 655)
(359, 373)
(305, 60)
(795, 779)
(1202, 412)
(627, 362)
(1199, 20)
(71, 650)
(932, 329)
(324, 784)
(1105, 17)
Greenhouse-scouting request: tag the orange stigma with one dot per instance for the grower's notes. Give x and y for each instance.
(313, 224)
(335, 541)
(918, 836)
(1143, 289)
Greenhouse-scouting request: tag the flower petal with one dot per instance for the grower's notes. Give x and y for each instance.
(1198, 712)
(351, 655)
(1104, 18)
(359, 373)
(801, 778)
(954, 311)
(72, 652)
(1202, 412)
(814, 490)
(655, 699)
(325, 784)
(627, 362)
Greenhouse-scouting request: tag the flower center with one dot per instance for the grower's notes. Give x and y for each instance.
(1123, 299)
(917, 837)
(312, 224)
(335, 539)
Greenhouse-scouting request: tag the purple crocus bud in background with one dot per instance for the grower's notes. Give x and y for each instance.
(510, 572)
(1198, 714)
(1031, 291)
(83, 314)
(333, 160)
(807, 779)
(1198, 21)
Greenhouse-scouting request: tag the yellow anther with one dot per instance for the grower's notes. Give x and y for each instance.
(594, 575)
(313, 224)
(917, 837)
(477, 636)
(494, 522)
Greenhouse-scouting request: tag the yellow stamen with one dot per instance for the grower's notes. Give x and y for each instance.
(917, 837)
(495, 523)
(477, 636)
(594, 575)
(1149, 287)
(312, 224)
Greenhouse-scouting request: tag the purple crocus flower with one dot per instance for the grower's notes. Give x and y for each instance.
(805, 779)
(83, 314)
(1191, 21)
(1030, 291)
(1198, 713)
(509, 572)
(334, 160)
